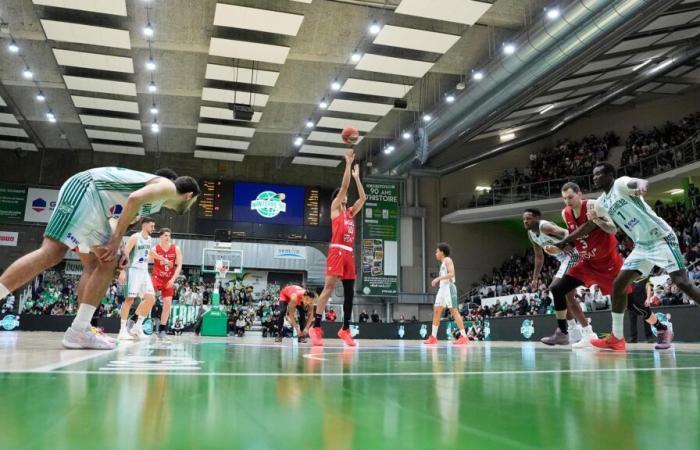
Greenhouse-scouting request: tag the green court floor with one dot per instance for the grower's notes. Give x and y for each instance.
(251, 394)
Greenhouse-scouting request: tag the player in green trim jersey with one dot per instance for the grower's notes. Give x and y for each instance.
(92, 213)
(655, 244)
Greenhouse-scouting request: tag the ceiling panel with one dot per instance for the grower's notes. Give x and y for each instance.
(615, 73)
(12, 145)
(602, 64)
(7, 118)
(639, 57)
(573, 82)
(99, 85)
(338, 123)
(631, 44)
(623, 100)
(352, 106)
(548, 98)
(427, 41)
(241, 75)
(94, 61)
(460, 11)
(105, 103)
(110, 122)
(227, 130)
(594, 88)
(227, 96)
(224, 114)
(113, 135)
(257, 19)
(114, 7)
(12, 131)
(123, 149)
(648, 87)
(322, 150)
(222, 143)
(671, 88)
(86, 34)
(248, 50)
(671, 20)
(378, 88)
(680, 35)
(206, 154)
(396, 66)
(303, 160)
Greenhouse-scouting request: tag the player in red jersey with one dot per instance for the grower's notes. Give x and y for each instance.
(167, 265)
(599, 262)
(340, 263)
(295, 297)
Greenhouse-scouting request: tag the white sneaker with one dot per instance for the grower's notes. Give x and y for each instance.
(138, 334)
(85, 339)
(100, 333)
(124, 335)
(588, 336)
(575, 334)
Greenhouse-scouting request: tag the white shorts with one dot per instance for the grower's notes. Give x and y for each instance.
(565, 265)
(447, 296)
(664, 253)
(138, 282)
(78, 219)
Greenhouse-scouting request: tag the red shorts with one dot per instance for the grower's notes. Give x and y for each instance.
(599, 272)
(340, 263)
(159, 284)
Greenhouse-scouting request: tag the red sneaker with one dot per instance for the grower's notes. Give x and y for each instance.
(461, 341)
(610, 343)
(432, 340)
(316, 335)
(346, 336)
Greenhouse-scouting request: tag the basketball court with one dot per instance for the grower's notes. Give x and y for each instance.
(249, 393)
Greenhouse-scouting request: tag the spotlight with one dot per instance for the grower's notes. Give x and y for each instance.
(509, 49)
(450, 98)
(152, 87)
(148, 29)
(375, 28)
(478, 76)
(51, 116)
(309, 123)
(151, 64)
(13, 47)
(552, 13)
(335, 86)
(154, 109)
(155, 128)
(27, 73)
(356, 56)
(298, 141)
(427, 117)
(40, 97)
(406, 135)
(323, 104)
(389, 149)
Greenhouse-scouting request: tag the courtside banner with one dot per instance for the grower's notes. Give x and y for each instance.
(379, 254)
(12, 202)
(9, 238)
(40, 204)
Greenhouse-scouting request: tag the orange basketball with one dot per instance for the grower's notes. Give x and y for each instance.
(350, 135)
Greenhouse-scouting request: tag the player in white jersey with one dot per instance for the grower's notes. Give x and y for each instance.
(655, 244)
(446, 296)
(138, 281)
(92, 213)
(543, 234)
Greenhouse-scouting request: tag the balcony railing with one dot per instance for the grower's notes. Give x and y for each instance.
(663, 161)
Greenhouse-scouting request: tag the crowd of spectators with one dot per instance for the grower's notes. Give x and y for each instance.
(642, 144)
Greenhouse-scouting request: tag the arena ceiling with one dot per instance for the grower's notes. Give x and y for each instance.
(89, 59)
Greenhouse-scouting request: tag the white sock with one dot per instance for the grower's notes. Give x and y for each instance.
(123, 325)
(4, 292)
(435, 330)
(618, 328)
(139, 322)
(571, 324)
(83, 317)
(462, 332)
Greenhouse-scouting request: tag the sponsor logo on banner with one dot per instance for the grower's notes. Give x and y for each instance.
(402, 331)
(269, 204)
(288, 252)
(527, 329)
(73, 268)
(9, 322)
(40, 204)
(116, 210)
(9, 238)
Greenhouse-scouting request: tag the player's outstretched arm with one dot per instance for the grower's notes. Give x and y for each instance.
(345, 184)
(637, 187)
(362, 197)
(580, 232)
(291, 309)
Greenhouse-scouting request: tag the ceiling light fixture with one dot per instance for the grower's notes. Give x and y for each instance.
(309, 123)
(552, 13)
(356, 56)
(375, 28)
(40, 97)
(13, 47)
(323, 104)
(51, 116)
(155, 128)
(154, 109)
(335, 85)
(152, 87)
(427, 117)
(507, 137)
(151, 64)
(298, 141)
(406, 135)
(449, 98)
(148, 29)
(478, 76)
(508, 49)
(27, 73)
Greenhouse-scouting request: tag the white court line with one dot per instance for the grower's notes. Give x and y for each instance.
(58, 365)
(371, 374)
(317, 357)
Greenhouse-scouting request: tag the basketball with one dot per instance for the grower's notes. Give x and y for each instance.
(350, 135)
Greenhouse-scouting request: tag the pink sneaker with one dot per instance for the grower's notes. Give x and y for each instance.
(432, 340)
(316, 335)
(461, 341)
(346, 336)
